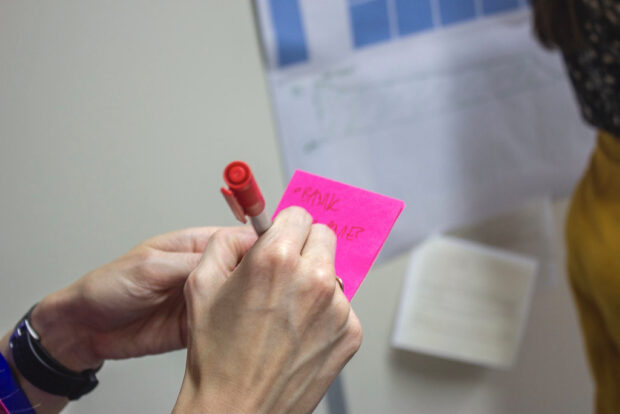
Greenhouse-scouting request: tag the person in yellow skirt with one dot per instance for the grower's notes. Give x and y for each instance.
(588, 33)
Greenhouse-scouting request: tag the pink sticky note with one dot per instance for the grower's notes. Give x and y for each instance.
(362, 221)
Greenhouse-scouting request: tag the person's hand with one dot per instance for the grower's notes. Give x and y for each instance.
(269, 326)
(131, 307)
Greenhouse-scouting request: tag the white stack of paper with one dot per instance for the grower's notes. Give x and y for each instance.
(465, 301)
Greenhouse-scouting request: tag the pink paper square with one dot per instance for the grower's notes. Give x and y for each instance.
(362, 221)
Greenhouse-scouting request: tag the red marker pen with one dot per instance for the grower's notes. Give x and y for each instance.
(244, 197)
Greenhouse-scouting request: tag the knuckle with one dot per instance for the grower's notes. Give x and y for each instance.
(325, 230)
(219, 236)
(294, 216)
(221, 239)
(323, 279)
(280, 255)
(147, 262)
(144, 255)
(226, 234)
(300, 212)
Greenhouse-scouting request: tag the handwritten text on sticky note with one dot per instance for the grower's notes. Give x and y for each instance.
(362, 221)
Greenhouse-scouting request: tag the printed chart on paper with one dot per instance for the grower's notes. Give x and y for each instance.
(449, 105)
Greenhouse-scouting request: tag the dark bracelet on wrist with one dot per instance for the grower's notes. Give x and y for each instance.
(42, 370)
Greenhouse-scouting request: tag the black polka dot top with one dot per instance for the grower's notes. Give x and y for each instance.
(595, 70)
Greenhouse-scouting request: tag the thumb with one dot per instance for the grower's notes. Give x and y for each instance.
(224, 251)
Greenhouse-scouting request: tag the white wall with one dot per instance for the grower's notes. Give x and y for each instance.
(116, 120)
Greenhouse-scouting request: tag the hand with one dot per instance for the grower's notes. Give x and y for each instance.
(268, 334)
(131, 307)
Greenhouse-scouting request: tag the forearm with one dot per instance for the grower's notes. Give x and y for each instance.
(41, 401)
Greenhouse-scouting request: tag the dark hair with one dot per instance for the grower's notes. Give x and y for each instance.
(556, 24)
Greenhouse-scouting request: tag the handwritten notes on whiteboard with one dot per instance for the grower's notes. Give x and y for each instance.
(362, 221)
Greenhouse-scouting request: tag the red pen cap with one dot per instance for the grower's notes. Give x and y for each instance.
(242, 184)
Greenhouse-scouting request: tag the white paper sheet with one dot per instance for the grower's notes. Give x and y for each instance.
(465, 301)
(461, 120)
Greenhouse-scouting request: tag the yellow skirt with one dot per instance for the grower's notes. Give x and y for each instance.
(593, 247)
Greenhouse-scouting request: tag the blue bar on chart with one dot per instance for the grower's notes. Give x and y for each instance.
(370, 22)
(289, 31)
(413, 16)
(456, 11)
(499, 6)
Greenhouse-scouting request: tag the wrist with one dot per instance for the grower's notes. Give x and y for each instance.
(208, 397)
(66, 341)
